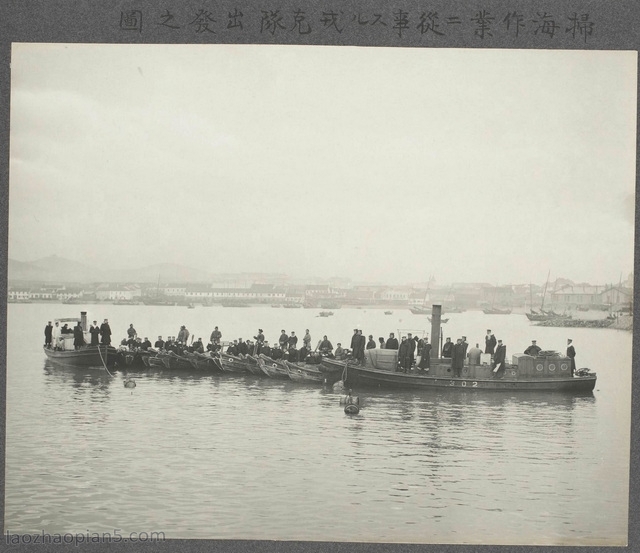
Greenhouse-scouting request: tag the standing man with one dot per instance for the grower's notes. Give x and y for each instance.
(362, 342)
(78, 336)
(94, 330)
(283, 340)
(392, 342)
(571, 354)
(403, 354)
(131, 332)
(48, 334)
(489, 342)
(412, 348)
(371, 344)
(457, 358)
(447, 348)
(499, 359)
(293, 341)
(259, 342)
(307, 340)
(425, 357)
(474, 355)
(466, 346)
(216, 336)
(534, 349)
(105, 332)
(355, 342)
(55, 335)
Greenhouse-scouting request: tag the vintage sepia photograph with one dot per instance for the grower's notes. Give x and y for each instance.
(320, 293)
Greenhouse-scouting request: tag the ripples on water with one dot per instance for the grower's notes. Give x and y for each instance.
(243, 457)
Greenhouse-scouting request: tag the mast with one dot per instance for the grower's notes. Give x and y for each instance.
(545, 290)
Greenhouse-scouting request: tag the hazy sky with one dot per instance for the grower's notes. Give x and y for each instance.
(383, 164)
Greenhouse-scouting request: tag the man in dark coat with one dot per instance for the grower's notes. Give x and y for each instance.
(425, 359)
(283, 340)
(265, 349)
(362, 342)
(355, 342)
(78, 336)
(392, 342)
(159, 343)
(447, 348)
(403, 354)
(499, 360)
(48, 334)
(105, 332)
(303, 352)
(534, 349)
(259, 341)
(243, 349)
(571, 354)
(325, 346)
(412, 348)
(371, 344)
(146, 344)
(457, 358)
(94, 330)
(293, 340)
(489, 342)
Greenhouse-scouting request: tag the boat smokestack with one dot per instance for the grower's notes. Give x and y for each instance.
(436, 314)
(83, 320)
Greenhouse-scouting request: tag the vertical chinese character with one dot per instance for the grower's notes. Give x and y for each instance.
(428, 22)
(514, 22)
(131, 21)
(546, 24)
(400, 21)
(202, 21)
(330, 19)
(299, 21)
(483, 22)
(271, 22)
(235, 20)
(580, 25)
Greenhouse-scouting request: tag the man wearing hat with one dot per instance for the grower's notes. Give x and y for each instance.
(48, 334)
(489, 342)
(571, 354)
(499, 359)
(259, 341)
(533, 349)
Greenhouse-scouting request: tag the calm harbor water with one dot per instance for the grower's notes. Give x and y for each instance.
(240, 457)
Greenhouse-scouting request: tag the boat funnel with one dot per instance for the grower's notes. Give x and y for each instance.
(436, 315)
(83, 320)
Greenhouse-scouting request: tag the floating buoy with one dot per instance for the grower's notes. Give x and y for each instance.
(351, 409)
(130, 383)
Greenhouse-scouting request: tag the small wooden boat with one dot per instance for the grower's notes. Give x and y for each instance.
(176, 362)
(275, 368)
(325, 313)
(420, 310)
(87, 356)
(333, 369)
(252, 366)
(303, 372)
(233, 364)
(388, 312)
(201, 361)
(496, 311)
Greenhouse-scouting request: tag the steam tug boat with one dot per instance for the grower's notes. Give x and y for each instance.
(524, 373)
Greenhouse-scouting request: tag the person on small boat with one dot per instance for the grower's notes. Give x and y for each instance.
(65, 329)
(265, 349)
(392, 342)
(325, 346)
(232, 349)
(198, 346)
(489, 342)
(146, 344)
(94, 330)
(340, 353)
(78, 336)
(474, 355)
(131, 332)
(457, 358)
(447, 348)
(571, 354)
(534, 349)
(355, 342)
(242, 347)
(48, 334)
(403, 354)
(159, 343)
(130, 343)
(183, 334)
(303, 352)
(284, 339)
(105, 333)
(259, 341)
(292, 355)
(216, 336)
(277, 353)
(371, 344)
(55, 335)
(307, 339)
(499, 360)
(359, 352)
(293, 340)
(466, 346)
(425, 355)
(412, 348)
(381, 340)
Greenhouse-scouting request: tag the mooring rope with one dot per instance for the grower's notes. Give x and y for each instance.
(101, 359)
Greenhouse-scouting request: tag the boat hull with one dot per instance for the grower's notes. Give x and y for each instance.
(365, 376)
(301, 372)
(88, 356)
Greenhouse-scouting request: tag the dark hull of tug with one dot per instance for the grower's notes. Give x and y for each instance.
(85, 357)
(362, 376)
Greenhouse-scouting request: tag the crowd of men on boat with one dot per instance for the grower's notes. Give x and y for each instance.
(414, 353)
